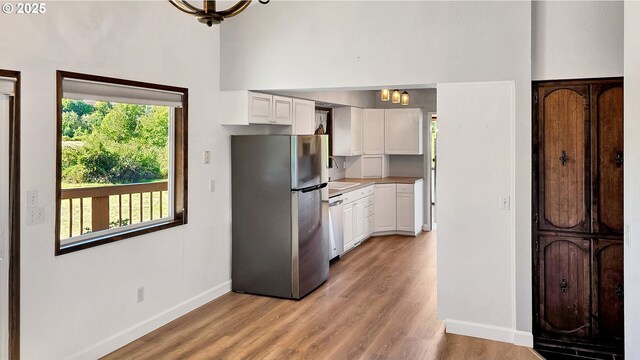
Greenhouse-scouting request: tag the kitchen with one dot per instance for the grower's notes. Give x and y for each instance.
(369, 170)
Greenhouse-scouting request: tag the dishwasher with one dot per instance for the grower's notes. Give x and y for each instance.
(335, 226)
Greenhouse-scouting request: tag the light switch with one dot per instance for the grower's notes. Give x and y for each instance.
(32, 199)
(505, 202)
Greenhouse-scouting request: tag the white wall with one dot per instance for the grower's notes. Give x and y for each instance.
(374, 44)
(84, 304)
(632, 179)
(577, 39)
(476, 289)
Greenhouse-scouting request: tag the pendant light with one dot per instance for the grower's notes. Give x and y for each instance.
(384, 94)
(395, 96)
(209, 15)
(404, 98)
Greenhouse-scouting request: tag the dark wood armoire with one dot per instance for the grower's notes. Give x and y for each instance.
(578, 224)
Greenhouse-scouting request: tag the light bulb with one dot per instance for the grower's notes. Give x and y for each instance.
(395, 96)
(404, 98)
(384, 94)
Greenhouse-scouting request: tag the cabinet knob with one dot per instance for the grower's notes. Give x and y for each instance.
(564, 285)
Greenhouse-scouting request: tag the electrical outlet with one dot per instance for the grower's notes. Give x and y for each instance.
(32, 199)
(140, 295)
(505, 202)
(35, 216)
(207, 157)
(212, 186)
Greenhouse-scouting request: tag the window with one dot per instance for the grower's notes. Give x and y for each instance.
(121, 159)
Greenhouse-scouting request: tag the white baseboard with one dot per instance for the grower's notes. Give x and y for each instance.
(425, 228)
(523, 338)
(136, 331)
(489, 332)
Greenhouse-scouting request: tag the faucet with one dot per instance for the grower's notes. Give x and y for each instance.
(335, 161)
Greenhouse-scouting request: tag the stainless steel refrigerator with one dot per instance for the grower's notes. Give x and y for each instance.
(280, 232)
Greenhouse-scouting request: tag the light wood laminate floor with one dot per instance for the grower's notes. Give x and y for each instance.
(379, 303)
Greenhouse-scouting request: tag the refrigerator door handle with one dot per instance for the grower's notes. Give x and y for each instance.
(313, 188)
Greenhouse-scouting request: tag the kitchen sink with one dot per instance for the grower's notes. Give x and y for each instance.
(340, 185)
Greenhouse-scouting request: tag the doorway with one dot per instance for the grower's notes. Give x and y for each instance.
(9, 214)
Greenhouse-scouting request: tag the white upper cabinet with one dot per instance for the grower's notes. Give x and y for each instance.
(304, 117)
(347, 131)
(373, 131)
(282, 110)
(403, 132)
(248, 107)
(260, 108)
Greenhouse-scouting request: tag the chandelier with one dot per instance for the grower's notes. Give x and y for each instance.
(208, 14)
(395, 96)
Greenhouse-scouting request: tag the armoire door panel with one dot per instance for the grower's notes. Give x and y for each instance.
(564, 174)
(607, 115)
(564, 286)
(608, 289)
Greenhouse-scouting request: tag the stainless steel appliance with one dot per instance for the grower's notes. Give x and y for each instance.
(280, 232)
(335, 225)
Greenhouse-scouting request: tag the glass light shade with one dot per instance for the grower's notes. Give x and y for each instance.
(384, 94)
(395, 96)
(404, 99)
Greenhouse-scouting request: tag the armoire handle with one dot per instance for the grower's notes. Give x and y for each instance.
(563, 158)
(619, 159)
(619, 291)
(564, 285)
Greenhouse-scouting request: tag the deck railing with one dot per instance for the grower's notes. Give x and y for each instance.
(85, 210)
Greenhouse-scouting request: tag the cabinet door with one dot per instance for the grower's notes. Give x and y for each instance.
(608, 289)
(373, 131)
(304, 117)
(405, 212)
(260, 108)
(563, 138)
(282, 110)
(385, 204)
(607, 116)
(358, 221)
(356, 131)
(347, 226)
(370, 225)
(403, 131)
(564, 288)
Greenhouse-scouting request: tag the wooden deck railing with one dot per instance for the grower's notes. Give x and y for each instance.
(106, 208)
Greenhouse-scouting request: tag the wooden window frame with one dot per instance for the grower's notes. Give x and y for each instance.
(14, 217)
(180, 165)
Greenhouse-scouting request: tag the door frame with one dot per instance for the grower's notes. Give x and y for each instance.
(14, 217)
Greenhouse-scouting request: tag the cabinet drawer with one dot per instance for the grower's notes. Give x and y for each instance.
(370, 200)
(369, 210)
(405, 188)
(358, 194)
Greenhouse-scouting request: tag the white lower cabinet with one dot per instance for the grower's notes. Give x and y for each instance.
(385, 203)
(356, 216)
(358, 221)
(405, 212)
(409, 204)
(347, 226)
(381, 208)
